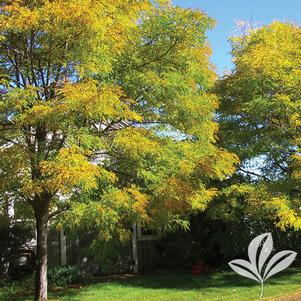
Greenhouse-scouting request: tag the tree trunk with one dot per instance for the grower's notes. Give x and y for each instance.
(41, 214)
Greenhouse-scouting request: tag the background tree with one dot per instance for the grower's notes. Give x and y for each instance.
(106, 103)
(260, 119)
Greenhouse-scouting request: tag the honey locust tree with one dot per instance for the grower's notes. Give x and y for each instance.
(104, 111)
(260, 119)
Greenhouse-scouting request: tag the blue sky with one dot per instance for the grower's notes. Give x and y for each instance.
(225, 12)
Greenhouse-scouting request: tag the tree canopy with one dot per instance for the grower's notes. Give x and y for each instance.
(260, 119)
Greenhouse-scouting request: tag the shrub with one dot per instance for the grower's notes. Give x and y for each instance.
(62, 276)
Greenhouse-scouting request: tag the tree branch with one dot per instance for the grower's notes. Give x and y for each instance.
(253, 173)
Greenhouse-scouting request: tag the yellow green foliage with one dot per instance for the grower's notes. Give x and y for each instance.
(258, 202)
(105, 110)
(260, 114)
(111, 212)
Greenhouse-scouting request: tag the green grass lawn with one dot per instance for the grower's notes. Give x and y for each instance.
(175, 287)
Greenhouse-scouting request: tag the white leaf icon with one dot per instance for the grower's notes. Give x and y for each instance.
(286, 257)
(245, 269)
(265, 251)
(254, 269)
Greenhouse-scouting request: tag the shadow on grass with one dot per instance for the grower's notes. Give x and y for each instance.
(182, 281)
